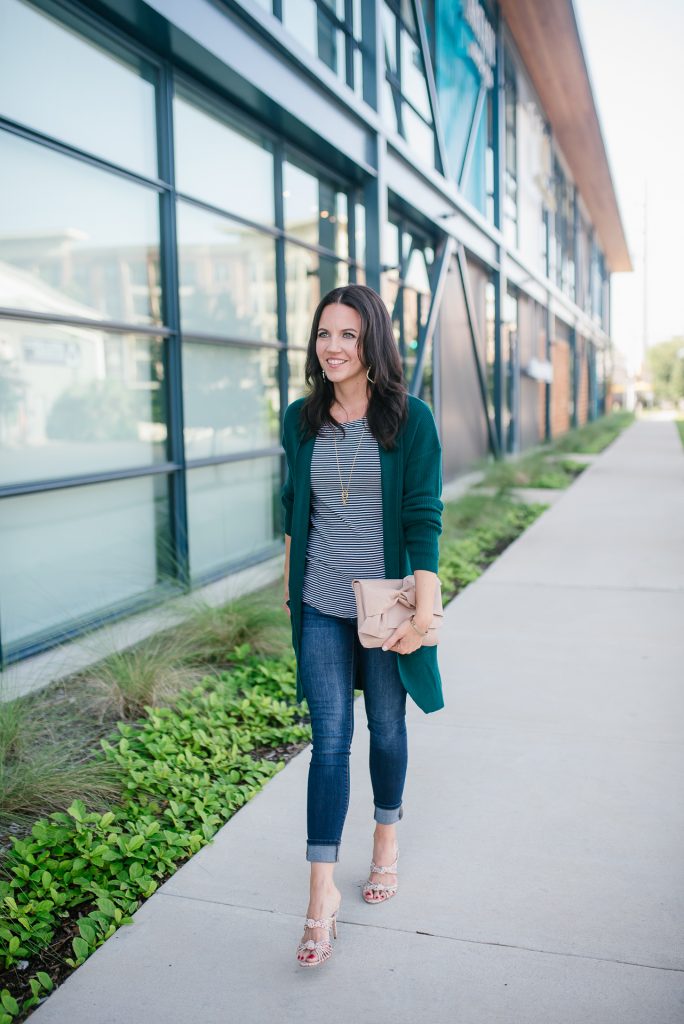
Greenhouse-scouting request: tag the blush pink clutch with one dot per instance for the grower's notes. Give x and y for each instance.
(382, 605)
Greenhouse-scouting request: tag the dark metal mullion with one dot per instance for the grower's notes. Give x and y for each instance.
(173, 354)
(269, 451)
(83, 480)
(472, 136)
(438, 284)
(76, 153)
(432, 89)
(475, 341)
(349, 42)
(111, 326)
(281, 297)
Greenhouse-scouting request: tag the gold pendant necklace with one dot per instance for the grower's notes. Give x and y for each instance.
(345, 490)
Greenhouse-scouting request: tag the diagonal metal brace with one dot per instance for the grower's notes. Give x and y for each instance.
(440, 270)
(475, 340)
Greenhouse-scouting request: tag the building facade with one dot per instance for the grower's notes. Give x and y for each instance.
(181, 183)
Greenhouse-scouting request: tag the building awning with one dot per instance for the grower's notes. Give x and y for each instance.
(547, 36)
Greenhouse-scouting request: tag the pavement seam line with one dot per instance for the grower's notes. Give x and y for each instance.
(433, 935)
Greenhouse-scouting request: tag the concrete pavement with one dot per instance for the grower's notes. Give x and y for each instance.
(541, 872)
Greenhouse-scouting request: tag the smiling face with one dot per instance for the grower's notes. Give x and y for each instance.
(339, 330)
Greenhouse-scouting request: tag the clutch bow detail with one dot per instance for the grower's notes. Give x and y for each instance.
(382, 605)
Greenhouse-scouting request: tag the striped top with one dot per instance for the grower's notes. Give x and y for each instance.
(345, 542)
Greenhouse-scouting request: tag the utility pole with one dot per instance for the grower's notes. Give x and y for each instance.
(645, 272)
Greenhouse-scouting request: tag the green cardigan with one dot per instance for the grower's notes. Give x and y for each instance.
(412, 522)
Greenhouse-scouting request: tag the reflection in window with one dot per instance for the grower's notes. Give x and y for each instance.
(85, 244)
(56, 80)
(308, 278)
(75, 401)
(490, 345)
(509, 345)
(464, 61)
(406, 102)
(510, 199)
(238, 177)
(315, 211)
(407, 292)
(227, 276)
(322, 28)
(220, 533)
(230, 399)
(70, 554)
(296, 360)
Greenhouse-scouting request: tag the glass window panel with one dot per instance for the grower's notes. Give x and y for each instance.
(419, 136)
(75, 400)
(389, 23)
(77, 552)
(413, 84)
(75, 240)
(230, 399)
(357, 13)
(336, 7)
(391, 244)
(331, 46)
(55, 80)
(296, 359)
(358, 72)
(239, 175)
(227, 276)
(300, 18)
(233, 512)
(308, 278)
(416, 272)
(360, 232)
(315, 211)
(390, 106)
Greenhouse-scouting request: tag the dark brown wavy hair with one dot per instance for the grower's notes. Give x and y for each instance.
(377, 349)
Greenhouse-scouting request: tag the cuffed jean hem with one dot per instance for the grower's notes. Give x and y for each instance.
(328, 853)
(388, 815)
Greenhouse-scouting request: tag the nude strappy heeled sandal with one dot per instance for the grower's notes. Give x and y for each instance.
(388, 891)
(318, 952)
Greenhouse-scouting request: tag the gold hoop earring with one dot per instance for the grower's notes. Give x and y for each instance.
(369, 378)
(323, 373)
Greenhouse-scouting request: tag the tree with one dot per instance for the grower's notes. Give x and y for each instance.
(666, 364)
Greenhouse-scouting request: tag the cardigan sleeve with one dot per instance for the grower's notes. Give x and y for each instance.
(287, 490)
(422, 506)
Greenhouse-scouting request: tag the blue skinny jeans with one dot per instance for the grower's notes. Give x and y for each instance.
(329, 653)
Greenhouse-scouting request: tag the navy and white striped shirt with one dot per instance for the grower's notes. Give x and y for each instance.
(345, 541)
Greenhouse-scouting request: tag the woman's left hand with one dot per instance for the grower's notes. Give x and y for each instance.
(404, 640)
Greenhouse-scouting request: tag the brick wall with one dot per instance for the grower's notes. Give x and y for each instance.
(583, 397)
(560, 393)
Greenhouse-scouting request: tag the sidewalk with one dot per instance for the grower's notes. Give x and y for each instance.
(541, 873)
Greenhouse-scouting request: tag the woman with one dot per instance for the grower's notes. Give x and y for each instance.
(362, 500)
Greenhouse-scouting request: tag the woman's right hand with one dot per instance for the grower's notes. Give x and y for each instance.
(286, 604)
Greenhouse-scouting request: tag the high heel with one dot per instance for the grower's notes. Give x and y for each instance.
(388, 891)
(318, 952)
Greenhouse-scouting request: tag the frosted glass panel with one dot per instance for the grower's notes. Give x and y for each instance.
(230, 399)
(74, 553)
(74, 240)
(232, 512)
(55, 80)
(75, 400)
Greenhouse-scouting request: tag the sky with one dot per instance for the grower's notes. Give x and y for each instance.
(634, 53)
